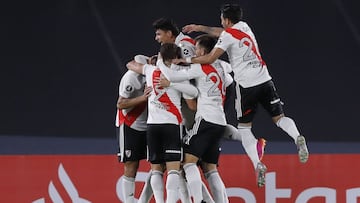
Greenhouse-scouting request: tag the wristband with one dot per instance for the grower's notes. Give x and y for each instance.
(188, 59)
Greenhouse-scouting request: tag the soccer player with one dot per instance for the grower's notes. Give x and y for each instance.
(255, 85)
(131, 122)
(164, 133)
(166, 31)
(203, 141)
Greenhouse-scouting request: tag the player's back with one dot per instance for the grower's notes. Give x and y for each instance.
(163, 103)
(241, 46)
(211, 85)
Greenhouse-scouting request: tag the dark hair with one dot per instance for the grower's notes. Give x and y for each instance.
(233, 12)
(170, 51)
(166, 25)
(206, 41)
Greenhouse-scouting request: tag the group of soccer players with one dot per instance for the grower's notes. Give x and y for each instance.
(171, 109)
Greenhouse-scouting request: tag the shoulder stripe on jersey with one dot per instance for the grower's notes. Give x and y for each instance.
(164, 99)
(189, 40)
(207, 69)
(240, 35)
(132, 115)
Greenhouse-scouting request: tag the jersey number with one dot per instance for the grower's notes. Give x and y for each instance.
(249, 55)
(213, 90)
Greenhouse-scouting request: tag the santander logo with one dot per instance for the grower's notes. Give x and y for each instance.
(70, 188)
(272, 193)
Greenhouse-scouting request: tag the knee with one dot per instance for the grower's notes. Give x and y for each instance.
(130, 168)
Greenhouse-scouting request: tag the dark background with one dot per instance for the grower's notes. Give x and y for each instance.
(61, 61)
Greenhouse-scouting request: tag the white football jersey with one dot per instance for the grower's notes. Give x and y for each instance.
(240, 44)
(187, 45)
(132, 85)
(211, 81)
(164, 104)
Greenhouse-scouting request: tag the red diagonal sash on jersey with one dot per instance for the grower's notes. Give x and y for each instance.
(189, 40)
(240, 35)
(210, 69)
(164, 99)
(132, 115)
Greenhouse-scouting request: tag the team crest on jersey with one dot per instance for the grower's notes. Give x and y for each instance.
(127, 153)
(129, 88)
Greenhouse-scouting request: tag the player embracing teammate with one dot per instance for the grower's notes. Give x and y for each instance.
(169, 81)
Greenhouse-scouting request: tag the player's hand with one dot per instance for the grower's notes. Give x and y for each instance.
(163, 82)
(147, 91)
(191, 28)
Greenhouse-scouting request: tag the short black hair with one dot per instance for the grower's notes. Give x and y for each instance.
(170, 51)
(206, 41)
(233, 12)
(166, 25)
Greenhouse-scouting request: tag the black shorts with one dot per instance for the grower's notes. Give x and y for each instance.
(132, 144)
(264, 94)
(164, 143)
(229, 105)
(204, 140)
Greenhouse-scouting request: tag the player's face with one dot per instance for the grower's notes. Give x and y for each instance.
(199, 51)
(224, 22)
(163, 36)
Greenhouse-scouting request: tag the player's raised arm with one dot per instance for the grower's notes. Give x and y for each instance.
(214, 31)
(135, 66)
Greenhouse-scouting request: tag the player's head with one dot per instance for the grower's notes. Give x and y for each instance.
(152, 60)
(230, 14)
(204, 44)
(165, 30)
(169, 51)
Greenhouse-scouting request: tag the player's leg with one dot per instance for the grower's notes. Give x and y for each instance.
(216, 184)
(193, 177)
(157, 183)
(172, 181)
(184, 192)
(210, 161)
(246, 111)
(146, 192)
(128, 181)
(250, 145)
(206, 194)
(234, 134)
(288, 125)
(156, 158)
(172, 146)
(193, 150)
(272, 103)
(246, 107)
(132, 148)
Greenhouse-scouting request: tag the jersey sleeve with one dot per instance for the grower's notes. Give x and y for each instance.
(141, 59)
(224, 41)
(177, 73)
(126, 87)
(187, 49)
(188, 90)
